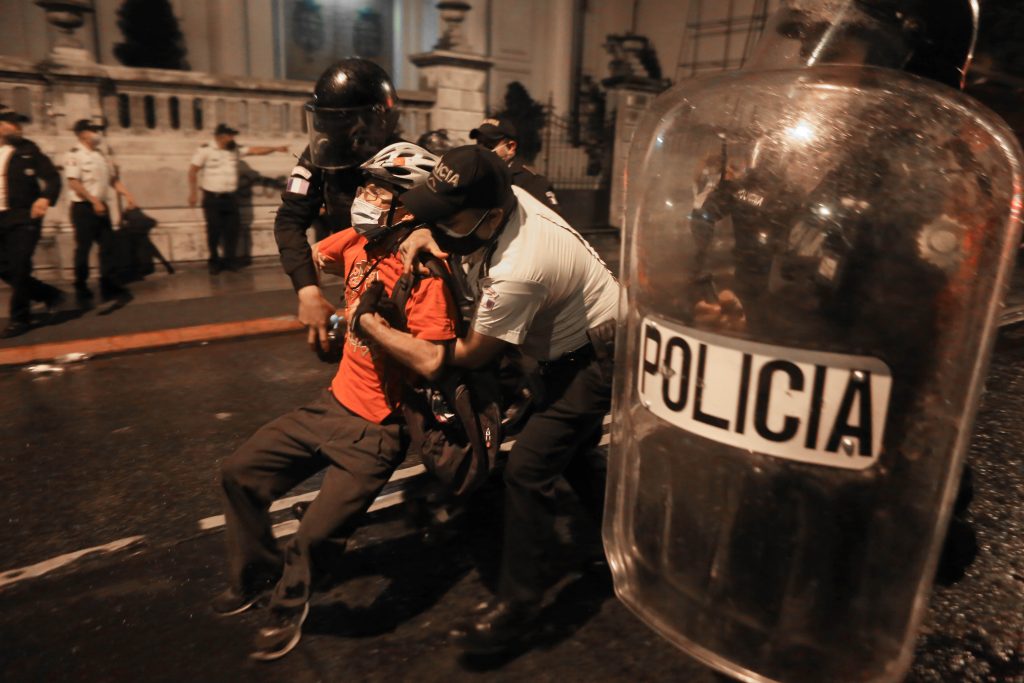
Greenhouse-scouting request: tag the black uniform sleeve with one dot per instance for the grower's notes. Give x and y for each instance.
(534, 183)
(48, 176)
(300, 205)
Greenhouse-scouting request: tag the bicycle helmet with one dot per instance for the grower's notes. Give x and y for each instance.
(401, 166)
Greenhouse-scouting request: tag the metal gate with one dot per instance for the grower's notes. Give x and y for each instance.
(569, 159)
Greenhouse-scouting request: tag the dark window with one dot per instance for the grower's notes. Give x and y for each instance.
(197, 114)
(175, 113)
(124, 111)
(149, 110)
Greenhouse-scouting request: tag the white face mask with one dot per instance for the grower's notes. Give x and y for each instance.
(365, 216)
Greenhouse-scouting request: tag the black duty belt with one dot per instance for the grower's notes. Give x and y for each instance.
(581, 355)
(220, 195)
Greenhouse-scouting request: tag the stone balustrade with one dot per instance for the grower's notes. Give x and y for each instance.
(157, 119)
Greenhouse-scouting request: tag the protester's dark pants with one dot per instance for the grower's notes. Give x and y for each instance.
(18, 238)
(559, 440)
(223, 222)
(359, 457)
(91, 227)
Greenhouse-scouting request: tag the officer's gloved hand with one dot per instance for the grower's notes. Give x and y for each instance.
(368, 303)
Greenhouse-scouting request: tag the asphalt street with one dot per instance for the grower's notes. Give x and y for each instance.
(126, 448)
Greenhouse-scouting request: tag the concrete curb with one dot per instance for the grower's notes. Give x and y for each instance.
(103, 346)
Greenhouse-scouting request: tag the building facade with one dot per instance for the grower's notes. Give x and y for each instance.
(252, 63)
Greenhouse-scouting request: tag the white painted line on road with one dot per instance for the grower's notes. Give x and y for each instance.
(217, 521)
(389, 500)
(13, 576)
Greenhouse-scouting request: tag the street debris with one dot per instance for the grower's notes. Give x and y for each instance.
(44, 369)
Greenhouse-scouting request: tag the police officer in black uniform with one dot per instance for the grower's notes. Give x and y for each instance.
(499, 136)
(29, 185)
(352, 116)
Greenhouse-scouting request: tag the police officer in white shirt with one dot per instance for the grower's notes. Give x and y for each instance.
(219, 164)
(542, 288)
(91, 174)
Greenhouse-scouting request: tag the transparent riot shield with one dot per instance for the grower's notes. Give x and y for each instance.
(814, 260)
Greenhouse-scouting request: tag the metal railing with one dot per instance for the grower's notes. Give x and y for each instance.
(570, 162)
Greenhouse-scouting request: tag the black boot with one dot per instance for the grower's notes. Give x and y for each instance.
(498, 625)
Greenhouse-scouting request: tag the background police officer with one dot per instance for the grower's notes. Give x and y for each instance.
(499, 136)
(351, 117)
(219, 164)
(29, 185)
(91, 174)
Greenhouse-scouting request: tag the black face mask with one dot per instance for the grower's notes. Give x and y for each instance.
(12, 138)
(231, 146)
(465, 245)
(459, 245)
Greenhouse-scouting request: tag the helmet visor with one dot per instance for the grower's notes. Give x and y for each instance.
(344, 138)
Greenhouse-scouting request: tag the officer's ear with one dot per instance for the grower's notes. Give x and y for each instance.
(511, 145)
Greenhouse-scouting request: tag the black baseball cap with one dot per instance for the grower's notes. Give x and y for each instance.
(493, 130)
(9, 115)
(87, 124)
(467, 177)
(224, 129)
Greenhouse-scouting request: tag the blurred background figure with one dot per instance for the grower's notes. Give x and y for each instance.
(219, 164)
(435, 141)
(499, 136)
(91, 174)
(29, 185)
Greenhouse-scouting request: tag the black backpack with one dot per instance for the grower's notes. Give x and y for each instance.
(455, 422)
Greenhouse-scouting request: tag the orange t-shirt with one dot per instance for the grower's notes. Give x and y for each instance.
(368, 381)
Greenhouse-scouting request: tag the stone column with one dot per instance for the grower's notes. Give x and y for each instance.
(457, 77)
(67, 16)
(459, 82)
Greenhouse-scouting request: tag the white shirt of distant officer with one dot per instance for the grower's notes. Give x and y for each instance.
(91, 173)
(219, 163)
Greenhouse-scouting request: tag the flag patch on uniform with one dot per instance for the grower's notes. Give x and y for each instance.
(298, 186)
(302, 171)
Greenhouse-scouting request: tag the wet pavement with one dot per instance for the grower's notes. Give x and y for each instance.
(128, 446)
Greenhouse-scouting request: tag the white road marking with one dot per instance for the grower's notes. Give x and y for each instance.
(389, 500)
(283, 503)
(13, 576)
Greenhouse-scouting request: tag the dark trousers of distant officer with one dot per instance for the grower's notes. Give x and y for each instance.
(90, 228)
(559, 440)
(359, 457)
(223, 223)
(18, 239)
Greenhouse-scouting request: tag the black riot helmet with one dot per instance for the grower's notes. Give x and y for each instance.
(930, 38)
(352, 114)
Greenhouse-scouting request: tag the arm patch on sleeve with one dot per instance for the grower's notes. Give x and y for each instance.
(302, 171)
(298, 185)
